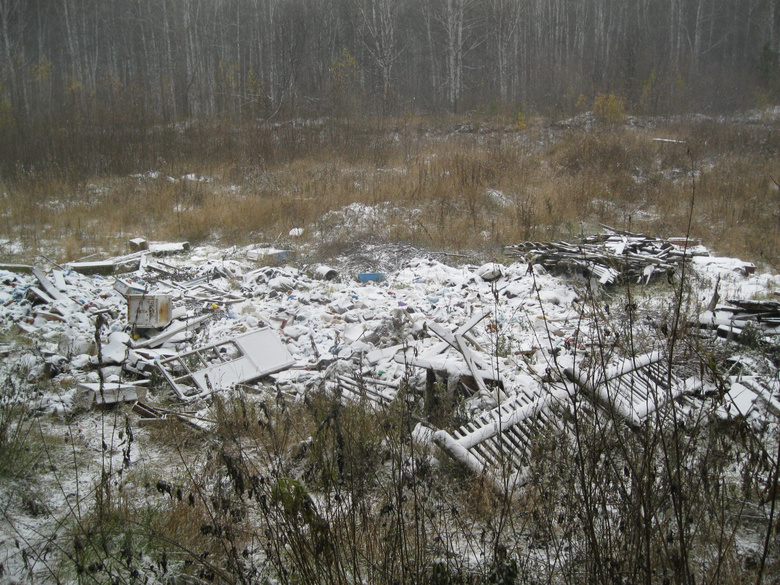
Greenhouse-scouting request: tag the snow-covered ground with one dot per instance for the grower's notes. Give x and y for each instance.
(328, 320)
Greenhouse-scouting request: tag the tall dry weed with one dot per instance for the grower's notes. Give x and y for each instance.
(475, 185)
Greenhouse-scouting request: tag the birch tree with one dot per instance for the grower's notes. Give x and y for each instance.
(453, 18)
(503, 24)
(378, 20)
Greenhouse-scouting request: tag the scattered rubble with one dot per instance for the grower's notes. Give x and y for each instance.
(207, 320)
(514, 344)
(744, 320)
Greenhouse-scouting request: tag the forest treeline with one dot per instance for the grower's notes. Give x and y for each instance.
(71, 65)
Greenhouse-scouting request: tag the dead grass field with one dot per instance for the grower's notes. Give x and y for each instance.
(450, 185)
(318, 490)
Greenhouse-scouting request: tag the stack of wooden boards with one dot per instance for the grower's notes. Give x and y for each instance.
(612, 258)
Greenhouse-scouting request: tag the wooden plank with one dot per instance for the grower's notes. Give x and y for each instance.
(170, 331)
(467, 355)
(47, 286)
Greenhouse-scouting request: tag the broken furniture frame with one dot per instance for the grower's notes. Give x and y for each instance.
(364, 388)
(481, 370)
(224, 364)
(503, 438)
(634, 388)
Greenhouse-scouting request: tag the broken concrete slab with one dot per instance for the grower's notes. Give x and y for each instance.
(115, 351)
(110, 393)
(104, 267)
(39, 295)
(168, 248)
(48, 316)
(53, 292)
(18, 268)
(268, 254)
(138, 244)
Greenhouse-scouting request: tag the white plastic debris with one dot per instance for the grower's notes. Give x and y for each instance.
(490, 271)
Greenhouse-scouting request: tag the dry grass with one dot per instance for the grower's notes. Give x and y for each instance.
(457, 188)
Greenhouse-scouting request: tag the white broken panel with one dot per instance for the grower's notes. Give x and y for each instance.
(738, 401)
(222, 365)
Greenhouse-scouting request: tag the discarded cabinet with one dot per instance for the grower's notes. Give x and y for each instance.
(149, 311)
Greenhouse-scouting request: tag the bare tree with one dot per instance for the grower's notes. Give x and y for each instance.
(378, 20)
(9, 11)
(503, 24)
(454, 16)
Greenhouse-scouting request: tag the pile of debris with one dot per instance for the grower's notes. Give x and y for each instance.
(205, 321)
(616, 257)
(744, 320)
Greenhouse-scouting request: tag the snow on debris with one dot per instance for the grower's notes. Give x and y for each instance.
(525, 323)
(319, 319)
